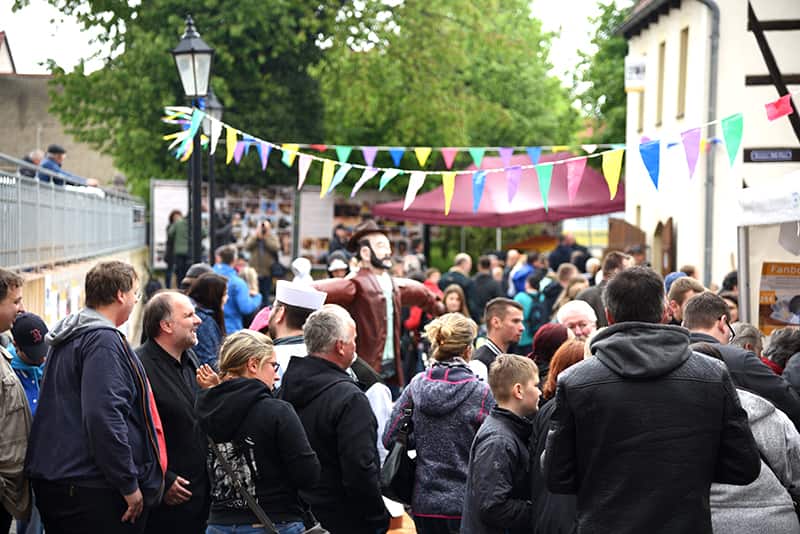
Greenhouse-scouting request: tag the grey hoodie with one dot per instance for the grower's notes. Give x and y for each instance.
(75, 324)
(764, 506)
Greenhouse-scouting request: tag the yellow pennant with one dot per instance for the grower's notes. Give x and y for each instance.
(230, 144)
(449, 184)
(188, 153)
(327, 176)
(289, 153)
(422, 153)
(703, 143)
(612, 165)
(559, 148)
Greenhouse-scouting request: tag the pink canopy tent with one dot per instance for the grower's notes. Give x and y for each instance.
(495, 211)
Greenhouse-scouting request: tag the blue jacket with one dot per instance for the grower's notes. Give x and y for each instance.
(93, 427)
(30, 376)
(52, 165)
(240, 303)
(209, 338)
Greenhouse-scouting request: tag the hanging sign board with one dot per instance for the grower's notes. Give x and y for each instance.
(634, 74)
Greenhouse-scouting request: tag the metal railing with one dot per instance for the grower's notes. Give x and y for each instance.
(43, 223)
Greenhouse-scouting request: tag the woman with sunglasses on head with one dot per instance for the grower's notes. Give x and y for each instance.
(261, 438)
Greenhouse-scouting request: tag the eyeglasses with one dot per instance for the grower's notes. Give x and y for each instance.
(275, 365)
(730, 328)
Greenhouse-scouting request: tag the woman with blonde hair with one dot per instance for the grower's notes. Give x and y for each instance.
(454, 300)
(574, 286)
(260, 436)
(448, 404)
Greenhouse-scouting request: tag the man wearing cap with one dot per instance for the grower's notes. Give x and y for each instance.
(193, 273)
(28, 333)
(374, 299)
(53, 161)
(338, 268)
(294, 302)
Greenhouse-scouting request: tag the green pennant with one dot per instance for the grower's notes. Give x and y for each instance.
(343, 153)
(732, 132)
(477, 155)
(544, 171)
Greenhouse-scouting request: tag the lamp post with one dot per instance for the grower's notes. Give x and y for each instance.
(193, 60)
(214, 109)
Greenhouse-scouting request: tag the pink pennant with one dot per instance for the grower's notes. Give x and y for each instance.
(513, 176)
(779, 108)
(238, 152)
(575, 170)
(691, 145)
(369, 154)
(505, 156)
(449, 155)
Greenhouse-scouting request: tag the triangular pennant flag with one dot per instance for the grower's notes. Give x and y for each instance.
(732, 132)
(388, 176)
(318, 147)
(263, 152)
(544, 172)
(617, 146)
(197, 120)
(216, 130)
(366, 176)
(422, 153)
(703, 145)
(343, 153)
(575, 170)
(651, 153)
(612, 166)
(397, 154)
(369, 154)
(188, 153)
(449, 155)
(691, 145)
(589, 149)
(230, 144)
(534, 152)
(513, 176)
(448, 185)
(289, 153)
(238, 152)
(779, 108)
(478, 183)
(340, 175)
(414, 184)
(559, 148)
(303, 163)
(247, 142)
(477, 155)
(327, 176)
(505, 156)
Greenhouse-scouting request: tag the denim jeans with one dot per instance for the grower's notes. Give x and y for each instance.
(294, 527)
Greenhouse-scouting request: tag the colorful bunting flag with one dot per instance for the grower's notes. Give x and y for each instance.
(388, 176)
(704, 145)
(397, 155)
(448, 186)
(478, 183)
(327, 176)
(289, 153)
(303, 163)
(343, 153)
(559, 148)
(369, 154)
(414, 184)
(513, 176)
(589, 149)
(339, 176)
(449, 155)
(197, 120)
(534, 152)
(575, 168)
(238, 152)
(216, 130)
(247, 142)
(422, 153)
(263, 152)
(612, 166)
(477, 155)
(651, 152)
(691, 145)
(544, 172)
(230, 144)
(366, 176)
(779, 108)
(505, 156)
(319, 148)
(732, 132)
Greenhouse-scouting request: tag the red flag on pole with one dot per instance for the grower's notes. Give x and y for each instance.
(779, 108)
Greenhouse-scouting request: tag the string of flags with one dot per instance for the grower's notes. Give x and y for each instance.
(334, 172)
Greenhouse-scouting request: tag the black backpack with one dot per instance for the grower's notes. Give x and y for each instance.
(538, 314)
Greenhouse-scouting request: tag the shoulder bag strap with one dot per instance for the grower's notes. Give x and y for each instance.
(237, 483)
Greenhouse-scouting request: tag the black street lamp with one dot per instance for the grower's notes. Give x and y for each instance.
(193, 60)
(214, 109)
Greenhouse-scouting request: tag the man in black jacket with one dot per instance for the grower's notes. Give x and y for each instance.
(459, 275)
(170, 325)
(485, 287)
(641, 430)
(340, 426)
(707, 317)
(498, 494)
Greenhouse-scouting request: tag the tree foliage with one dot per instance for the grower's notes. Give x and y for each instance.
(603, 75)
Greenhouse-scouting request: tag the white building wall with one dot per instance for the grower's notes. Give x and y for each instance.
(678, 196)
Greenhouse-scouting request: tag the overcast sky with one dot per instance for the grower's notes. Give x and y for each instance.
(33, 39)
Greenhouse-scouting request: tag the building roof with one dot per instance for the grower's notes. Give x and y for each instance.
(644, 13)
(6, 49)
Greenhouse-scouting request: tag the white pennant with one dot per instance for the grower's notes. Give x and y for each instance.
(303, 163)
(589, 148)
(366, 176)
(216, 131)
(414, 184)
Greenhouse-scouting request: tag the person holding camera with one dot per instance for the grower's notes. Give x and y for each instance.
(263, 247)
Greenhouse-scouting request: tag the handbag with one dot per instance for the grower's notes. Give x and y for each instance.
(311, 524)
(399, 470)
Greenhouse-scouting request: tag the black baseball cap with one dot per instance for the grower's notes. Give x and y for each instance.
(56, 149)
(28, 332)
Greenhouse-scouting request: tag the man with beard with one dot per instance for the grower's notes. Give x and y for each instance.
(293, 304)
(678, 294)
(374, 299)
(170, 325)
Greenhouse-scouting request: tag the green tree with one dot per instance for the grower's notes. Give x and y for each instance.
(603, 75)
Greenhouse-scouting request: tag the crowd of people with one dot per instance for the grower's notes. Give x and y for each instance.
(543, 394)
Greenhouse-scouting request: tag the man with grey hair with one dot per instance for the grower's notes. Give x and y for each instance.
(340, 426)
(579, 317)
